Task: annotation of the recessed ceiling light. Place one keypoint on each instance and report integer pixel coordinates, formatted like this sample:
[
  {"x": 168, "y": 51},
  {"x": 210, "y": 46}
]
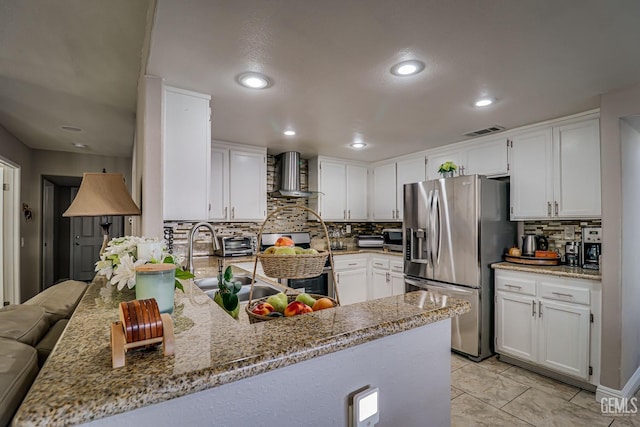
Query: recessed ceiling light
[
  {"x": 289, "y": 132},
  {"x": 71, "y": 128},
  {"x": 484, "y": 102},
  {"x": 78, "y": 145},
  {"x": 254, "y": 80},
  {"x": 357, "y": 145},
  {"x": 407, "y": 68}
]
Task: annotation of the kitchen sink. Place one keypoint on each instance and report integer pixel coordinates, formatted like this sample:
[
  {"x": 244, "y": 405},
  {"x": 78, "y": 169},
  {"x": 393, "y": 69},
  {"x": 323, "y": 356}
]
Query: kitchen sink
[{"x": 260, "y": 289}]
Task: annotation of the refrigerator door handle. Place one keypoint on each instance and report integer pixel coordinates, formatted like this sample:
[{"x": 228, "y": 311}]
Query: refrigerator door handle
[{"x": 435, "y": 228}]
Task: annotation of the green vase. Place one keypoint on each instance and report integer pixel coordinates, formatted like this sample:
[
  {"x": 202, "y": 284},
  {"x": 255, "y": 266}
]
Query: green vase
[
  {"x": 233, "y": 313},
  {"x": 157, "y": 281}
]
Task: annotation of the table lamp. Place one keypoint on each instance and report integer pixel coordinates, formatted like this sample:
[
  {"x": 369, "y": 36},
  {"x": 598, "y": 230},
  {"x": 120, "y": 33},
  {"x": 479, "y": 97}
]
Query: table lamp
[{"x": 103, "y": 195}]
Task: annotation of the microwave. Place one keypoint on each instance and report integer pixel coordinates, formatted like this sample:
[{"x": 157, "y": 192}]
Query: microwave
[
  {"x": 237, "y": 246},
  {"x": 392, "y": 239}
]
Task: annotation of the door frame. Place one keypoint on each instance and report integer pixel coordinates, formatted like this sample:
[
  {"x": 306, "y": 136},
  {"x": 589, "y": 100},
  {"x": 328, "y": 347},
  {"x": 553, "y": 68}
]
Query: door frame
[{"x": 11, "y": 226}]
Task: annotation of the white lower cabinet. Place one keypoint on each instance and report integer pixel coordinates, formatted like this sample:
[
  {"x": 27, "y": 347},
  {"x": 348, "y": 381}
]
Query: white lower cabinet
[
  {"x": 548, "y": 321},
  {"x": 387, "y": 277},
  {"x": 352, "y": 277}
]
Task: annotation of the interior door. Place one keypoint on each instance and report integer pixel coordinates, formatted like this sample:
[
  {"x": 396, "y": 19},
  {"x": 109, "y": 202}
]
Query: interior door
[
  {"x": 2, "y": 291},
  {"x": 87, "y": 240},
  {"x": 48, "y": 211}
]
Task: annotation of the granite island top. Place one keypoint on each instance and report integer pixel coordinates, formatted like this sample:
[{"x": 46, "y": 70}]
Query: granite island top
[
  {"x": 554, "y": 270},
  {"x": 77, "y": 383}
]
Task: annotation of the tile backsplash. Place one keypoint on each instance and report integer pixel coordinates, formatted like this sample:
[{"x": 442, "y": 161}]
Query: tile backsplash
[{"x": 554, "y": 231}]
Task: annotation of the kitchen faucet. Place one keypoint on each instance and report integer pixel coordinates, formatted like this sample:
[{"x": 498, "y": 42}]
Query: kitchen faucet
[{"x": 192, "y": 234}]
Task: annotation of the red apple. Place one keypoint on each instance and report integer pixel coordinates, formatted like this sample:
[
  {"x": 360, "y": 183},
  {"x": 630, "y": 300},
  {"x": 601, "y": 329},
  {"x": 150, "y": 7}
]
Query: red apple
[
  {"x": 296, "y": 307},
  {"x": 284, "y": 241},
  {"x": 263, "y": 309}
]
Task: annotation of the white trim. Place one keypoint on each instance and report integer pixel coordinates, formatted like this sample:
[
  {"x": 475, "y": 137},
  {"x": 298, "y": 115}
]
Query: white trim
[
  {"x": 11, "y": 269},
  {"x": 627, "y": 391}
]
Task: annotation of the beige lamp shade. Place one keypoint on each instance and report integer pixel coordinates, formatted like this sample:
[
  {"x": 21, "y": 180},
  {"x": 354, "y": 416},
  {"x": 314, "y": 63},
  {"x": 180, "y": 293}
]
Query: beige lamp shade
[{"x": 102, "y": 194}]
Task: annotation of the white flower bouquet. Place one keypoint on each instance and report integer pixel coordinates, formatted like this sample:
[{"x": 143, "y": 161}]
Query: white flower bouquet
[{"x": 123, "y": 254}]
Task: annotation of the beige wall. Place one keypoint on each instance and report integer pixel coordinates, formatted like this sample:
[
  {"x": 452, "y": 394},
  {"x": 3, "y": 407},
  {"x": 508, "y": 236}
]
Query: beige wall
[
  {"x": 19, "y": 154},
  {"x": 618, "y": 320}
]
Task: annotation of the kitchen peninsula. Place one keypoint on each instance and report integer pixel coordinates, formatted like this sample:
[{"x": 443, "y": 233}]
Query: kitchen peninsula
[{"x": 289, "y": 371}]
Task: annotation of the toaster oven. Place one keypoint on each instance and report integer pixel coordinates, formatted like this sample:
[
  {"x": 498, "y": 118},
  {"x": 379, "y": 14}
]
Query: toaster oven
[{"x": 237, "y": 246}]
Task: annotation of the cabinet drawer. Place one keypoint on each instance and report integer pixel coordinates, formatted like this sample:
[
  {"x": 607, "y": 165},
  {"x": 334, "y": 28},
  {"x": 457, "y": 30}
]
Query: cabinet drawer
[
  {"x": 341, "y": 263},
  {"x": 380, "y": 263},
  {"x": 516, "y": 285},
  {"x": 397, "y": 266},
  {"x": 565, "y": 293}
]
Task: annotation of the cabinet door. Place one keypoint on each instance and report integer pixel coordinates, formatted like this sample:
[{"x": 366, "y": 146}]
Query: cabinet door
[
  {"x": 357, "y": 192},
  {"x": 384, "y": 192},
  {"x": 531, "y": 175},
  {"x": 380, "y": 284},
  {"x": 247, "y": 186},
  {"x": 185, "y": 153},
  {"x": 333, "y": 186},
  {"x": 219, "y": 184},
  {"x": 516, "y": 325},
  {"x": 352, "y": 286},
  {"x": 488, "y": 158},
  {"x": 434, "y": 162},
  {"x": 564, "y": 337},
  {"x": 408, "y": 172},
  {"x": 397, "y": 283},
  {"x": 576, "y": 149}
]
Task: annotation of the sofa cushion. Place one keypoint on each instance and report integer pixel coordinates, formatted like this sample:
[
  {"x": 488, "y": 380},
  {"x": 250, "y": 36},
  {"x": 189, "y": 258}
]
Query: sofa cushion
[
  {"x": 60, "y": 300},
  {"x": 24, "y": 323},
  {"x": 18, "y": 369},
  {"x": 49, "y": 341}
]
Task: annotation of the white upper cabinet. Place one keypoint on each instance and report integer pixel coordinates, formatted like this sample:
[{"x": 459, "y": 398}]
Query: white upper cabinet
[
  {"x": 483, "y": 157},
  {"x": 185, "y": 155},
  {"x": 342, "y": 188},
  {"x": 556, "y": 172},
  {"x": 388, "y": 186},
  {"x": 238, "y": 183}
]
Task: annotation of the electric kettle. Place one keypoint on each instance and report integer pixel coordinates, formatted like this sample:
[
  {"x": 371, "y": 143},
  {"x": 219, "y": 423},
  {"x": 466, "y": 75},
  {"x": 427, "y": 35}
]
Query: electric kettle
[{"x": 532, "y": 242}]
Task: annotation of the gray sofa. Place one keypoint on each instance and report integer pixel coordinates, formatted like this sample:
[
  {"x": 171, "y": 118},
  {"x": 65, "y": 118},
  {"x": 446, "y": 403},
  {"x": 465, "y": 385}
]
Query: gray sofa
[{"x": 28, "y": 333}]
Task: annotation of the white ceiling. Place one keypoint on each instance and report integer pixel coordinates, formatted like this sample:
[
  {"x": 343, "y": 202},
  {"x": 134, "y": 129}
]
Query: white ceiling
[{"x": 76, "y": 63}]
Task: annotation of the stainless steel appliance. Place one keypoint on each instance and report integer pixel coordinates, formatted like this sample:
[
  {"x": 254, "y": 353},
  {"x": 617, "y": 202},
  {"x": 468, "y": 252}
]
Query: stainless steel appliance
[
  {"x": 454, "y": 229},
  {"x": 237, "y": 246},
  {"x": 322, "y": 285},
  {"x": 392, "y": 239},
  {"x": 370, "y": 241},
  {"x": 532, "y": 242},
  {"x": 572, "y": 254},
  {"x": 591, "y": 247}
]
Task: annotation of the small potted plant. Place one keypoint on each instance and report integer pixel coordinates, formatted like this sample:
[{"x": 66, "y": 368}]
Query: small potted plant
[
  {"x": 447, "y": 169},
  {"x": 226, "y": 295}
]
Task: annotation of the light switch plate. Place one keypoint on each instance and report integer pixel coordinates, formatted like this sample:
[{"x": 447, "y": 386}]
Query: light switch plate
[{"x": 569, "y": 233}]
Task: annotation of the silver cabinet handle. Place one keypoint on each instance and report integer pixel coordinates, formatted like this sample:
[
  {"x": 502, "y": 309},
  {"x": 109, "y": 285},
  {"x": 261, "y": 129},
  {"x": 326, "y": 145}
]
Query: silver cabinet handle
[
  {"x": 225, "y": 212},
  {"x": 351, "y": 264},
  {"x": 387, "y": 277},
  {"x": 379, "y": 264},
  {"x": 344, "y": 214},
  {"x": 233, "y": 212},
  {"x": 349, "y": 214},
  {"x": 539, "y": 308},
  {"x": 533, "y": 308},
  {"x": 513, "y": 286},
  {"x": 548, "y": 208},
  {"x": 560, "y": 294},
  {"x": 397, "y": 214},
  {"x": 338, "y": 277},
  {"x": 556, "y": 207},
  {"x": 393, "y": 213}
]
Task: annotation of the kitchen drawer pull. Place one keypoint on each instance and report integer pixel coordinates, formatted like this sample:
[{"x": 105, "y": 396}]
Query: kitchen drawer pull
[
  {"x": 513, "y": 286},
  {"x": 533, "y": 308},
  {"x": 539, "y": 308},
  {"x": 379, "y": 264},
  {"x": 352, "y": 264},
  {"x": 233, "y": 212},
  {"x": 560, "y": 294},
  {"x": 548, "y": 208},
  {"x": 349, "y": 214},
  {"x": 556, "y": 207},
  {"x": 225, "y": 212}
]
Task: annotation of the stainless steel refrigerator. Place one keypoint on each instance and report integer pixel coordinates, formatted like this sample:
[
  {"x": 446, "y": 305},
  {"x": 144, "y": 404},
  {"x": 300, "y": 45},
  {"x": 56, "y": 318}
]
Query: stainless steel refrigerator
[{"x": 453, "y": 230}]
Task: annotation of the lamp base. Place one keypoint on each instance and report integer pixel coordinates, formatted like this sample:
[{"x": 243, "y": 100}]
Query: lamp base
[{"x": 105, "y": 224}]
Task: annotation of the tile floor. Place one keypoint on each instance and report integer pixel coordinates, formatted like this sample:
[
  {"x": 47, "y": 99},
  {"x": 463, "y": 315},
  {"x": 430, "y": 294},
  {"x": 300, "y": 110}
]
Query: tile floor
[{"x": 494, "y": 393}]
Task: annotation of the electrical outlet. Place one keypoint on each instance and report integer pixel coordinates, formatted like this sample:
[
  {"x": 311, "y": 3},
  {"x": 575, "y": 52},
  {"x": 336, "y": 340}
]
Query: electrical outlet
[
  {"x": 569, "y": 233},
  {"x": 347, "y": 228}
]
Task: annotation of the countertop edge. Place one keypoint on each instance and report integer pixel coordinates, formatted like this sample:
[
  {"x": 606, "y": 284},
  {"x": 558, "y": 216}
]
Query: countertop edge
[{"x": 560, "y": 270}]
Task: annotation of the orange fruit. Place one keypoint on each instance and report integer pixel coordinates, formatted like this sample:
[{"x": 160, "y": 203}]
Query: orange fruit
[{"x": 322, "y": 303}]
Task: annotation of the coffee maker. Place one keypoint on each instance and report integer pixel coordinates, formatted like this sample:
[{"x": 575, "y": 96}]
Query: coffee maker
[
  {"x": 572, "y": 254},
  {"x": 591, "y": 247}
]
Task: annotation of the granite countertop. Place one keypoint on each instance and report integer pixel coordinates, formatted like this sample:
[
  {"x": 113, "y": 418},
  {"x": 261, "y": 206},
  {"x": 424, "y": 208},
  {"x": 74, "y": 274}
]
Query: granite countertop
[
  {"x": 555, "y": 270},
  {"x": 77, "y": 383}
]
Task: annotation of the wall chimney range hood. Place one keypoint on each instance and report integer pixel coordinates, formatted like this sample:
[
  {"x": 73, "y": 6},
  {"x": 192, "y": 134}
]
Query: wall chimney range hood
[{"x": 287, "y": 176}]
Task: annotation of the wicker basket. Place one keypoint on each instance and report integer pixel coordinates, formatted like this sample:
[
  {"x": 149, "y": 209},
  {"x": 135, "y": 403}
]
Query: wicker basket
[
  {"x": 298, "y": 266},
  {"x": 255, "y": 318}
]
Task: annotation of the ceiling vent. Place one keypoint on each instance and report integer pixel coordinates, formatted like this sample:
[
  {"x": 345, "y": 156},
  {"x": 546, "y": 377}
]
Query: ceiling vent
[{"x": 487, "y": 131}]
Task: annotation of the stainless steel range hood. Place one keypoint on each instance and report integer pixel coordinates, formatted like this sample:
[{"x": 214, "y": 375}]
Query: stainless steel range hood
[{"x": 287, "y": 176}]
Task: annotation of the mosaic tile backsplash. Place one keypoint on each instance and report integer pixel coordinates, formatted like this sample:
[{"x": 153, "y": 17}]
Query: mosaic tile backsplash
[{"x": 554, "y": 231}]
